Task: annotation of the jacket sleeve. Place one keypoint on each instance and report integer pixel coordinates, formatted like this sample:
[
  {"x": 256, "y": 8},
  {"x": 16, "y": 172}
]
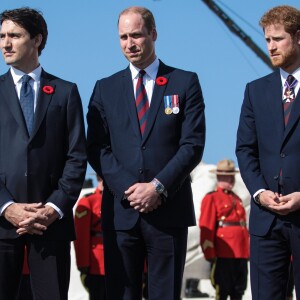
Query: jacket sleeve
[
  {"x": 247, "y": 147},
  {"x": 70, "y": 183},
  {"x": 100, "y": 155},
  {"x": 192, "y": 139},
  {"x": 82, "y": 220},
  {"x": 208, "y": 226}
]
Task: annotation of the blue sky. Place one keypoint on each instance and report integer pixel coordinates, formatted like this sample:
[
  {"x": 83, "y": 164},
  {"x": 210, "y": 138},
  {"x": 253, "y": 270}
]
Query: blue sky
[{"x": 83, "y": 46}]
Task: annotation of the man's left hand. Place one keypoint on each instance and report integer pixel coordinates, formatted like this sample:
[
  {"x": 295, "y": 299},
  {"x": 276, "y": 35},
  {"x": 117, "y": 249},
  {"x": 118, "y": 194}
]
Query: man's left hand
[{"x": 287, "y": 204}]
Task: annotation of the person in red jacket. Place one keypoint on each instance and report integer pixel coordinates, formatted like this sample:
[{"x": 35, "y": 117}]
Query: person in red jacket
[
  {"x": 89, "y": 243},
  {"x": 224, "y": 237}
]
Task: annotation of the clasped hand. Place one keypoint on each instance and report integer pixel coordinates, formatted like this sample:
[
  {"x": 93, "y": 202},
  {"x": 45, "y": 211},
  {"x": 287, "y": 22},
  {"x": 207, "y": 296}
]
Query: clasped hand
[
  {"x": 143, "y": 197},
  {"x": 31, "y": 218},
  {"x": 279, "y": 204}
]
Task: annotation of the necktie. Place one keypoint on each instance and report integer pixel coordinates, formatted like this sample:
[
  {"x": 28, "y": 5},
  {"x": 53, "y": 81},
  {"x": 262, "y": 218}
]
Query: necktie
[
  {"x": 141, "y": 101},
  {"x": 27, "y": 102},
  {"x": 289, "y": 97}
]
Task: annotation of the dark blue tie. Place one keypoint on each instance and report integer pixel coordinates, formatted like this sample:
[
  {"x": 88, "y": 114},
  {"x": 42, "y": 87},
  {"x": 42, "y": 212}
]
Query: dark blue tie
[{"x": 27, "y": 102}]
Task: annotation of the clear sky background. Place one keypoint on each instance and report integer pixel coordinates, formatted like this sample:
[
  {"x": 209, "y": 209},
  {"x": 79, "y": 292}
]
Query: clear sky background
[{"x": 83, "y": 46}]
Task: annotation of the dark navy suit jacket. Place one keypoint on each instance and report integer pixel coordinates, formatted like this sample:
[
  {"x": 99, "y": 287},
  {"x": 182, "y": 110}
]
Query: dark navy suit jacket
[
  {"x": 172, "y": 145},
  {"x": 265, "y": 146},
  {"x": 49, "y": 165}
]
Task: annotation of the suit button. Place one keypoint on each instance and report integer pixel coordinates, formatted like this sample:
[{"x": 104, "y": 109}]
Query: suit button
[
  {"x": 25, "y": 174},
  {"x": 143, "y": 148},
  {"x": 282, "y": 155},
  {"x": 140, "y": 170}
]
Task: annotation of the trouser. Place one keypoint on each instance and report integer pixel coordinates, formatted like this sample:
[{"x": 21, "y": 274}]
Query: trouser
[
  {"x": 229, "y": 277},
  {"x": 49, "y": 264},
  {"x": 124, "y": 255}
]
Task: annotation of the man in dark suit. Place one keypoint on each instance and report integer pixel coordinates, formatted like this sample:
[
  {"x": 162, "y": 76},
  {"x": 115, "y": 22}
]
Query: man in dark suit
[
  {"x": 42, "y": 161},
  {"x": 268, "y": 143},
  {"x": 147, "y": 200}
]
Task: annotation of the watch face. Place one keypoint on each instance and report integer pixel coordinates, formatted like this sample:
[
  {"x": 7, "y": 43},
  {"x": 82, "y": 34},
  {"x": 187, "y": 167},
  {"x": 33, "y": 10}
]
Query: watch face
[{"x": 159, "y": 188}]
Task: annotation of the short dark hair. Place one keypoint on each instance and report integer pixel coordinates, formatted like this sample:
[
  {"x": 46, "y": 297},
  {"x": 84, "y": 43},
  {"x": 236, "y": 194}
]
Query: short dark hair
[
  {"x": 145, "y": 13},
  {"x": 29, "y": 19},
  {"x": 286, "y": 15}
]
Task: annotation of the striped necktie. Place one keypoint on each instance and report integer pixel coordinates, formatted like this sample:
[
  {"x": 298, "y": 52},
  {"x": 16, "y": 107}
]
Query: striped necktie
[
  {"x": 289, "y": 97},
  {"x": 141, "y": 101},
  {"x": 27, "y": 102}
]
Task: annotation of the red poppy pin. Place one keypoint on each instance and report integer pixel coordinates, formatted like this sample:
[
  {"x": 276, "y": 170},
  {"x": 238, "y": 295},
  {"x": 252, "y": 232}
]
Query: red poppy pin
[
  {"x": 48, "y": 89},
  {"x": 161, "y": 80}
]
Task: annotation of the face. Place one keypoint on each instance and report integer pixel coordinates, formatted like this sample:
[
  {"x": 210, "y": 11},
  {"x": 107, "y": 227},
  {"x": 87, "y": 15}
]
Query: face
[
  {"x": 226, "y": 181},
  {"x": 284, "y": 50},
  {"x": 136, "y": 42},
  {"x": 18, "y": 49}
]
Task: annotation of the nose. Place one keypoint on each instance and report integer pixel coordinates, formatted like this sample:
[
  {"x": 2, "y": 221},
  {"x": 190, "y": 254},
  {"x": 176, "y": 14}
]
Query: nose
[
  {"x": 130, "y": 42},
  {"x": 272, "y": 45},
  {"x": 5, "y": 42}
]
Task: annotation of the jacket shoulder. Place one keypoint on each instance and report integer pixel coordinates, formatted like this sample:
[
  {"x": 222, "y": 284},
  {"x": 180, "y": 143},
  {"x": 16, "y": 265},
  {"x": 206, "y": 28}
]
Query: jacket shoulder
[
  {"x": 265, "y": 78},
  {"x": 56, "y": 79}
]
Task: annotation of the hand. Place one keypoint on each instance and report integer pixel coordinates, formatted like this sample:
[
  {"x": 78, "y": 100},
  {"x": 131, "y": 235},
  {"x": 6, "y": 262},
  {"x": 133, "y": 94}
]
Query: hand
[
  {"x": 143, "y": 197},
  {"x": 269, "y": 198},
  {"x": 287, "y": 204},
  {"x": 17, "y": 213},
  {"x": 37, "y": 226}
]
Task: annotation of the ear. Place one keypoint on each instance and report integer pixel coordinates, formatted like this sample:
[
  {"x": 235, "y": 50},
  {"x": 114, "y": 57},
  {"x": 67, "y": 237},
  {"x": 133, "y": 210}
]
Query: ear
[
  {"x": 297, "y": 35},
  {"x": 154, "y": 34},
  {"x": 38, "y": 40}
]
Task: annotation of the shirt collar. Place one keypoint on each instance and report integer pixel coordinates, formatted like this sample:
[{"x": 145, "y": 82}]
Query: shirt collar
[
  {"x": 284, "y": 75},
  {"x": 151, "y": 70},
  {"x": 17, "y": 74}
]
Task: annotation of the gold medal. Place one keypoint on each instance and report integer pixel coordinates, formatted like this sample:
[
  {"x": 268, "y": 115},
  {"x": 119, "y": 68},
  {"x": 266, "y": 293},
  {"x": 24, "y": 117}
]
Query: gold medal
[{"x": 168, "y": 110}]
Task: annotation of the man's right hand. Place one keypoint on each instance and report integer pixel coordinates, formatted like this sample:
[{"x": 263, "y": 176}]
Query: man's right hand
[
  {"x": 268, "y": 198},
  {"x": 19, "y": 212}
]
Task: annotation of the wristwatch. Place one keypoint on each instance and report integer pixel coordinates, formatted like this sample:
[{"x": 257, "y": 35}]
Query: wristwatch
[
  {"x": 159, "y": 188},
  {"x": 257, "y": 198}
]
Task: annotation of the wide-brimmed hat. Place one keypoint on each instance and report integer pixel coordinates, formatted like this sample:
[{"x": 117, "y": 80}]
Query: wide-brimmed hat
[{"x": 225, "y": 167}]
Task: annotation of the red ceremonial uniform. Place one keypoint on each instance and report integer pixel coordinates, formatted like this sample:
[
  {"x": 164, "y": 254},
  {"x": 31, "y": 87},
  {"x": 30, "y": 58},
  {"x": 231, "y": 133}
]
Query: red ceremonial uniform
[
  {"x": 223, "y": 231},
  {"x": 89, "y": 242}
]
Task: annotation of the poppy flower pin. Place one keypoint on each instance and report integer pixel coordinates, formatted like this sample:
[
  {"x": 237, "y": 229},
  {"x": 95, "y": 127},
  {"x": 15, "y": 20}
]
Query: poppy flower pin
[
  {"x": 48, "y": 89},
  {"x": 161, "y": 80}
]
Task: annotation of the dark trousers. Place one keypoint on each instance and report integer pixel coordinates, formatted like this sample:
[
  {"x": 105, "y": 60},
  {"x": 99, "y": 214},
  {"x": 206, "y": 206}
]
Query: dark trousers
[
  {"x": 49, "y": 263},
  {"x": 125, "y": 253},
  {"x": 229, "y": 277},
  {"x": 25, "y": 292},
  {"x": 95, "y": 284},
  {"x": 270, "y": 261}
]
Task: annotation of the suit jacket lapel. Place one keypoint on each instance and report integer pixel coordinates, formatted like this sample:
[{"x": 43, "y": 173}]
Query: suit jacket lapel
[
  {"x": 42, "y": 102},
  {"x": 9, "y": 94},
  {"x": 128, "y": 95},
  {"x": 157, "y": 98}
]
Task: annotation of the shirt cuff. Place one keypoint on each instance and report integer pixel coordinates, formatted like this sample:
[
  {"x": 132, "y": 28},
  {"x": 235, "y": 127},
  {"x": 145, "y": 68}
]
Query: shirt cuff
[
  {"x": 4, "y": 206},
  {"x": 61, "y": 214},
  {"x": 259, "y": 191}
]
